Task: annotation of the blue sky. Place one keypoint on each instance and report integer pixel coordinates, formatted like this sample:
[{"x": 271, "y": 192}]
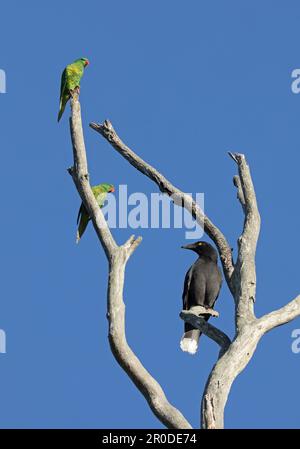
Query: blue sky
[{"x": 183, "y": 83}]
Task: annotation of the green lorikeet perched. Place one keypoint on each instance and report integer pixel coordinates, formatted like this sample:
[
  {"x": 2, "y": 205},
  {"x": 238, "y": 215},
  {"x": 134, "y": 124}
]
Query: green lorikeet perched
[
  {"x": 70, "y": 81},
  {"x": 100, "y": 191}
]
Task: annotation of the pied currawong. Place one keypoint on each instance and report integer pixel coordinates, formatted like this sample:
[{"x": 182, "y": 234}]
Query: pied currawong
[{"x": 202, "y": 285}]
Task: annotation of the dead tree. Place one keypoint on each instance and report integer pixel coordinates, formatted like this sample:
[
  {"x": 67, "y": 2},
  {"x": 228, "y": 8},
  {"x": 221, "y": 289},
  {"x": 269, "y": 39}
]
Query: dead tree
[{"x": 240, "y": 276}]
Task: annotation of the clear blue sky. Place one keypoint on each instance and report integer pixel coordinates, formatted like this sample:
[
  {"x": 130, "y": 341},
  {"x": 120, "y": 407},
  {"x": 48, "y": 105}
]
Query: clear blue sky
[{"x": 183, "y": 83}]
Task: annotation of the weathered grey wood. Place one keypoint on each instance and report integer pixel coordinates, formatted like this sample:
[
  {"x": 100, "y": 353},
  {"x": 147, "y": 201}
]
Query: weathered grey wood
[
  {"x": 117, "y": 257},
  {"x": 241, "y": 280},
  {"x": 239, "y": 194},
  {"x": 79, "y": 173},
  {"x": 200, "y": 310},
  {"x": 281, "y": 316}
]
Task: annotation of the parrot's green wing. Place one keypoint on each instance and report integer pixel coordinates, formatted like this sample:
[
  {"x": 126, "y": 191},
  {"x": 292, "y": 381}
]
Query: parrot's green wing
[
  {"x": 64, "y": 95},
  {"x": 100, "y": 192},
  {"x": 83, "y": 216},
  {"x": 74, "y": 74}
]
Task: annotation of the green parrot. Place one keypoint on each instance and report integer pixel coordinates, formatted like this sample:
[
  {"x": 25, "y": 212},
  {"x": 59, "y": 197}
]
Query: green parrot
[
  {"x": 70, "y": 81},
  {"x": 100, "y": 191}
]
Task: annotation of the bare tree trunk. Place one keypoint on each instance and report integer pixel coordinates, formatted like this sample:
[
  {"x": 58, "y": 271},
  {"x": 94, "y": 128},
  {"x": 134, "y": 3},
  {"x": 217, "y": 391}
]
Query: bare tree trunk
[
  {"x": 249, "y": 329},
  {"x": 240, "y": 277}
]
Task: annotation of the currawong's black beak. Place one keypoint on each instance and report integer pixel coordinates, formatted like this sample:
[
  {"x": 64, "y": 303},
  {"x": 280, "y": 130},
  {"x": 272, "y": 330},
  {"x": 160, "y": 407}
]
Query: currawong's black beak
[{"x": 191, "y": 246}]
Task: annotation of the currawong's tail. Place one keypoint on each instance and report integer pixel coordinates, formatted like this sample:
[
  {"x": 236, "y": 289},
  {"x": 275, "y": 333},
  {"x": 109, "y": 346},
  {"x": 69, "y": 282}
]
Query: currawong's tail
[{"x": 189, "y": 340}]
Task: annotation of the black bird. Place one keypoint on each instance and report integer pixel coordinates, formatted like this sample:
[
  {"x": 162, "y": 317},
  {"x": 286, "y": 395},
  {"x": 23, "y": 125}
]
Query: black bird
[{"x": 202, "y": 285}]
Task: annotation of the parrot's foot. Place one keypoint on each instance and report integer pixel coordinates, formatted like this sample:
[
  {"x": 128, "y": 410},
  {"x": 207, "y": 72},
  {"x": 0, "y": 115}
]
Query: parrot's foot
[{"x": 75, "y": 91}]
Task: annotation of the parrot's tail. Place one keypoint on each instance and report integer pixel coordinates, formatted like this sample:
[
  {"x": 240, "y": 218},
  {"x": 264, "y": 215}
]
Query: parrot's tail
[
  {"x": 189, "y": 341},
  {"x": 62, "y": 106},
  {"x": 60, "y": 113}
]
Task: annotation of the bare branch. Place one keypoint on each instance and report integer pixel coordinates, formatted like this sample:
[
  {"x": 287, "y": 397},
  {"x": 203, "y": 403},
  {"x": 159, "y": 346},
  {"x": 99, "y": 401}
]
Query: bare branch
[
  {"x": 203, "y": 310},
  {"x": 244, "y": 278},
  {"x": 236, "y": 358},
  {"x": 180, "y": 198},
  {"x": 208, "y": 329},
  {"x": 131, "y": 244},
  {"x": 147, "y": 385},
  {"x": 117, "y": 257},
  {"x": 240, "y": 194},
  {"x": 248, "y": 331},
  {"x": 252, "y": 219},
  {"x": 281, "y": 316},
  {"x": 79, "y": 173},
  {"x": 225, "y": 371}
]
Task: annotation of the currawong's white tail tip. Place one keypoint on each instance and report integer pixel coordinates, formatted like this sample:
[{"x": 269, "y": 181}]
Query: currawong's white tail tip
[{"x": 189, "y": 345}]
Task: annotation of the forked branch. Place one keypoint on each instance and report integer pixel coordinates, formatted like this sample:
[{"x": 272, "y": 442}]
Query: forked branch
[{"x": 180, "y": 198}]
